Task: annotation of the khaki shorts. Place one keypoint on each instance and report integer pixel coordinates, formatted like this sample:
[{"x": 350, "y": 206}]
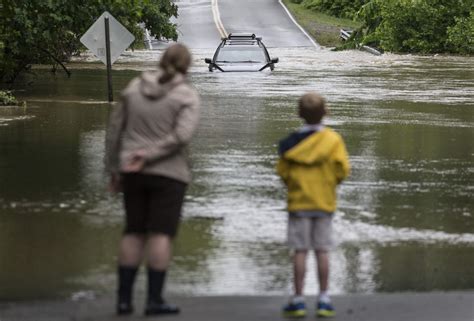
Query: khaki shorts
[{"x": 306, "y": 233}]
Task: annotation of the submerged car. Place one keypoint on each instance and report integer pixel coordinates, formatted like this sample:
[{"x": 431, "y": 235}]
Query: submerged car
[{"x": 241, "y": 52}]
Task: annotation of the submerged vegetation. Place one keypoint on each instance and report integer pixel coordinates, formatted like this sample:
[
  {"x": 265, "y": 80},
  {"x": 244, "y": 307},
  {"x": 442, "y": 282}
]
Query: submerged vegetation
[
  {"x": 48, "y": 32},
  {"x": 7, "y": 98},
  {"x": 406, "y": 26}
]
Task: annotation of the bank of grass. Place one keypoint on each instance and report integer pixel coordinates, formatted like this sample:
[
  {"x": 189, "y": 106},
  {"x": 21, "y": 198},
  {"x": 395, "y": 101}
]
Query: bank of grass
[{"x": 322, "y": 27}]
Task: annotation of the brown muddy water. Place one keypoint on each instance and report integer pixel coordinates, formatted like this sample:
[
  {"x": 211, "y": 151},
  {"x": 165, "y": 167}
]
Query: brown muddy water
[{"x": 405, "y": 220}]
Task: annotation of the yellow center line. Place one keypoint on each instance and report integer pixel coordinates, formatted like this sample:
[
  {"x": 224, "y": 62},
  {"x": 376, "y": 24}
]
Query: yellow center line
[{"x": 217, "y": 19}]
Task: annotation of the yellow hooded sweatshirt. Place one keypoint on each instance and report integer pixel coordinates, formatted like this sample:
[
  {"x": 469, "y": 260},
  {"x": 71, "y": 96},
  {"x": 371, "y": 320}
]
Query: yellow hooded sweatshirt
[{"x": 312, "y": 165}]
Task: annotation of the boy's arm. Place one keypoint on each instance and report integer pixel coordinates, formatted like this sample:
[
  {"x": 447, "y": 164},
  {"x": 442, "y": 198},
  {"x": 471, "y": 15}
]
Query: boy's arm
[
  {"x": 282, "y": 169},
  {"x": 341, "y": 162}
]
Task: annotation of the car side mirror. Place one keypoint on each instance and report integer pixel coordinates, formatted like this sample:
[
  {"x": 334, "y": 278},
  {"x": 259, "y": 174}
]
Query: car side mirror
[
  {"x": 208, "y": 60},
  {"x": 275, "y": 60}
]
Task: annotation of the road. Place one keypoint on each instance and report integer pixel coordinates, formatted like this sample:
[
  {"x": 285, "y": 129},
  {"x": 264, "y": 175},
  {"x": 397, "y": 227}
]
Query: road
[
  {"x": 201, "y": 23},
  {"x": 437, "y": 306}
]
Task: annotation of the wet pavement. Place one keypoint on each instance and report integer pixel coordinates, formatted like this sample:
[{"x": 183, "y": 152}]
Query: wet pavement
[
  {"x": 452, "y": 306},
  {"x": 202, "y": 23}
]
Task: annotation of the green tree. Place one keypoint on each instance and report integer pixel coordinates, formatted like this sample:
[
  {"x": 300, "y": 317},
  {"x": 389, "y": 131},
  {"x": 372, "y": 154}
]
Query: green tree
[
  {"x": 48, "y": 31},
  {"x": 416, "y": 26},
  {"x": 423, "y": 26},
  {"x": 461, "y": 35}
]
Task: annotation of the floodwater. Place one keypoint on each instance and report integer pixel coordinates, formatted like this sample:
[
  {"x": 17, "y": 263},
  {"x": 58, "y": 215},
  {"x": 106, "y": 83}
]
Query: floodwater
[{"x": 405, "y": 220}]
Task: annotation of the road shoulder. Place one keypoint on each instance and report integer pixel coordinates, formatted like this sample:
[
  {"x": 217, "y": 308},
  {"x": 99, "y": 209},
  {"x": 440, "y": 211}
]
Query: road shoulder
[{"x": 323, "y": 28}]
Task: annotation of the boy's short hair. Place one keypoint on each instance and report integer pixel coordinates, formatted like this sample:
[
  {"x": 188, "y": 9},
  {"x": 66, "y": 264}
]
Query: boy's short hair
[{"x": 312, "y": 108}]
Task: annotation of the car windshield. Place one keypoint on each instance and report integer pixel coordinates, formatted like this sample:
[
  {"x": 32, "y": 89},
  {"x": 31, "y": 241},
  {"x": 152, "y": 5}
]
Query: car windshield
[{"x": 241, "y": 54}]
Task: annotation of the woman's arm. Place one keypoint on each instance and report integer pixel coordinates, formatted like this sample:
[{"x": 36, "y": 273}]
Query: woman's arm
[{"x": 185, "y": 126}]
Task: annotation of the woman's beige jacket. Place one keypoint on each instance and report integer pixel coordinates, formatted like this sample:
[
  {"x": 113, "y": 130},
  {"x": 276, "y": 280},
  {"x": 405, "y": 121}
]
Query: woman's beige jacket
[{"x": 159, "y": 119}]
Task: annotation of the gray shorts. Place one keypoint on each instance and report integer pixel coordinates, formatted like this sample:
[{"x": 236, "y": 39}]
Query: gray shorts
[{"x": 306, "y": 233}]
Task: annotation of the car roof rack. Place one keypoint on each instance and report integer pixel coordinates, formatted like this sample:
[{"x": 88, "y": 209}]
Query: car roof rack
[
  {"x": 241, "y": 39},
  {"x": 241, "y": 36},
  {"x": 241, "y": 42}
]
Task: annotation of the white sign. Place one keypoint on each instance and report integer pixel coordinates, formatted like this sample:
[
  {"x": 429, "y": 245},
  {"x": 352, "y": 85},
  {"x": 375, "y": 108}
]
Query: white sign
[{"x": 94, "y": 38}]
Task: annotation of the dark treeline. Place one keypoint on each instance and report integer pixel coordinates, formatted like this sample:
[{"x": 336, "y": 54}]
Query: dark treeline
[
  {"x": 411, "y": 26},
  {"x": 48, "y": 31}
]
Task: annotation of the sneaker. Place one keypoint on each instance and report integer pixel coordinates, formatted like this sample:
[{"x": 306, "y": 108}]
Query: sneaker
[
  {"x": 294, "y": 310},
  {"x": 325, "y": 310},
  {"x": 161, "y": 308},
  {"x": 124, "y": 308}
]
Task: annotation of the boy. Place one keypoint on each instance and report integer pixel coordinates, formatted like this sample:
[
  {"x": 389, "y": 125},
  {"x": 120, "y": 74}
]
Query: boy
[{"x": 313, "y": 161}]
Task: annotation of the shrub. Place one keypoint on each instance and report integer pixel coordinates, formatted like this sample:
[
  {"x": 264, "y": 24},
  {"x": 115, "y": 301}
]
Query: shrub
[
  {"x": 7, "y": 99},
  {"x": 461, "y": 35},
  {"x": 48, "y": 32},
  {"x": 423, "y": 26}
]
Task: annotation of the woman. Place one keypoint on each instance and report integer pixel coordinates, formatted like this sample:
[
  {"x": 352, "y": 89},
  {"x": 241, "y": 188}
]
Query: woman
[{"x": 146, "y": 158}]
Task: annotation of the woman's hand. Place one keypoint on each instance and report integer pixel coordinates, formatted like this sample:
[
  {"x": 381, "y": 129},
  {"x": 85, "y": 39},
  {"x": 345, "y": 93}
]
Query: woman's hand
[{"x": 135, "y": 163}]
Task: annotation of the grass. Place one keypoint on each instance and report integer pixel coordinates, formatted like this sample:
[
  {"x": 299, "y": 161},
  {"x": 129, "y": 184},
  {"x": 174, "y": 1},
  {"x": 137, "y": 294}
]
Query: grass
[{"x": 322, "y": 27}]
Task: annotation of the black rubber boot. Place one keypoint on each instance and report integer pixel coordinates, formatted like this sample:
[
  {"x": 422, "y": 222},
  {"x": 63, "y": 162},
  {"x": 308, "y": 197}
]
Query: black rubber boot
[
  {"x": 126, "y": 279},
  {"x": 160, "y": 308},
  {"x": 155, "y": 303}
]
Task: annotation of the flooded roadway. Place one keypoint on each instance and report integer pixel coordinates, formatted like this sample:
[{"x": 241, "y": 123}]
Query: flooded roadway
[{"x": 405, "y": 220}]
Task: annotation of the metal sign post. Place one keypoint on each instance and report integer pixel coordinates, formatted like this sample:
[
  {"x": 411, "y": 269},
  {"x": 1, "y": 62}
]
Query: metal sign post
[
  {"x": 107, "y": 39},
  {"x": 109, "y": 63}
]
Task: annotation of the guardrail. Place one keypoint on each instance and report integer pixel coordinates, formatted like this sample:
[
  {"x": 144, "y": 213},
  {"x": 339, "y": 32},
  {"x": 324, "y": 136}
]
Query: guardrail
[{"x": 345, "y": 34}]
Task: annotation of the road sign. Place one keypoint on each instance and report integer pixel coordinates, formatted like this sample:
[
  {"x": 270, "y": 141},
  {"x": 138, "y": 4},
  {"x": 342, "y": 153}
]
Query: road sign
[
  {"x": 94, "y": 38},
  {"x": 107, "y": 39}
]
